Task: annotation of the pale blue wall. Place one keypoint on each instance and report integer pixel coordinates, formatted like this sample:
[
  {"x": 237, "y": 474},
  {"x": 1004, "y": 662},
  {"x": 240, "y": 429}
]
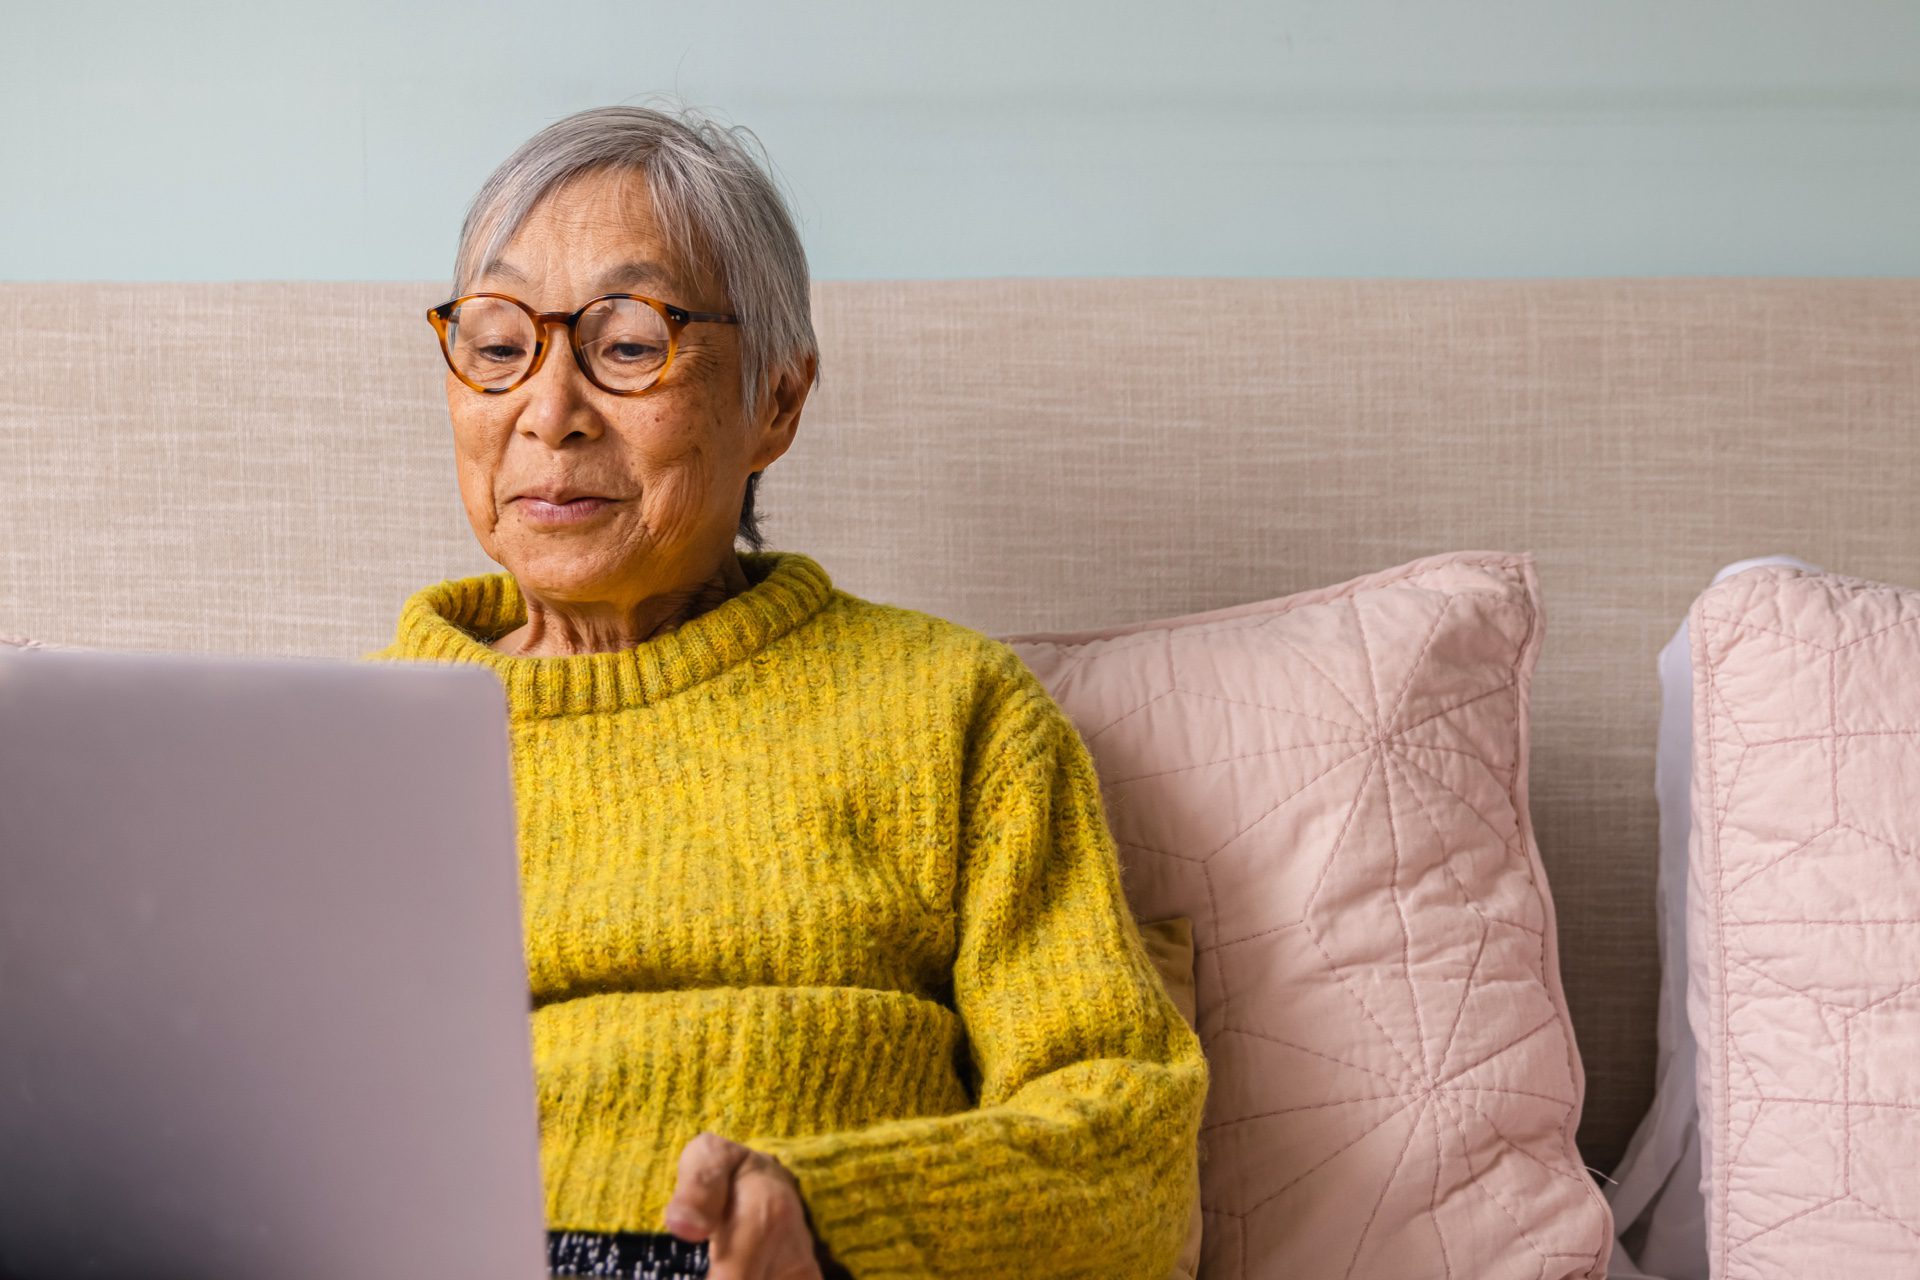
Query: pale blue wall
[{"x": 213, "y": 141}]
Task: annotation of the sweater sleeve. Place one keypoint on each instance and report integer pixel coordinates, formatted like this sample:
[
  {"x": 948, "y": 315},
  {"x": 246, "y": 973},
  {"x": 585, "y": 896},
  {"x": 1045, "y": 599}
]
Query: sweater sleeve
[{"x": 1077, "y": 1159}]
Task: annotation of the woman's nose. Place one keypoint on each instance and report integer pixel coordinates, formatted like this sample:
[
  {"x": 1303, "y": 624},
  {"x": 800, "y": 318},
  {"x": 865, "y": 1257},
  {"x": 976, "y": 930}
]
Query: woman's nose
[{"x": 558, "y": 400}]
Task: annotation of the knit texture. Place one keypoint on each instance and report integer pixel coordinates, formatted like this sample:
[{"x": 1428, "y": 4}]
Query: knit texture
[{"x": 834, "y": 879}]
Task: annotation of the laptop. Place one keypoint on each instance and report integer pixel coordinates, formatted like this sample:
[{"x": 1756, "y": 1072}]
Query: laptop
[{"x": 263, "y": 999}]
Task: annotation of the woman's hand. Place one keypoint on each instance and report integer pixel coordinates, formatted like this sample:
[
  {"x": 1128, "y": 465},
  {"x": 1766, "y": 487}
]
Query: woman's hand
[{"x": 747, "y": 1207}]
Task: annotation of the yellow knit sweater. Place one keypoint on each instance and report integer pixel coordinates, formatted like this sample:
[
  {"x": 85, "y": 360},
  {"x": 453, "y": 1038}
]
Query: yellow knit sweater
[{"x": 834, "y": 879}]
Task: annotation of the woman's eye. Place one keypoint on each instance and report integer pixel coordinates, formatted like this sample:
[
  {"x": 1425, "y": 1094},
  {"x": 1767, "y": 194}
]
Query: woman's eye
[
  {"x": 634, "y": 351},
  {"x": 501, "y": 352}
]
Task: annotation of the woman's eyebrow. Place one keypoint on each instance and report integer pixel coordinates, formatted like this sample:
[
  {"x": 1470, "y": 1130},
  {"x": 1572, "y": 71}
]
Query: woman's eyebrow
[{"x": 500, "y": 267}]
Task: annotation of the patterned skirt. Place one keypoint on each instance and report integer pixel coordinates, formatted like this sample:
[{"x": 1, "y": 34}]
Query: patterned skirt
[
  {"x": 638, "y": 1255},
  {"x": 627, "y": 1255}
]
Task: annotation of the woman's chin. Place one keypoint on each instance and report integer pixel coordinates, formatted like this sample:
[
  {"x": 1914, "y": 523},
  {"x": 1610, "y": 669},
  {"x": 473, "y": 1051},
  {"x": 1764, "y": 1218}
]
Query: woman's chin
[{"x": 571, "y": 569}]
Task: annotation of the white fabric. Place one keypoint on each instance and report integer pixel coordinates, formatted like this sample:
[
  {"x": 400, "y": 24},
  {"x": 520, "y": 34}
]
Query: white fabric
[{"x": 1656, "y": 1192}]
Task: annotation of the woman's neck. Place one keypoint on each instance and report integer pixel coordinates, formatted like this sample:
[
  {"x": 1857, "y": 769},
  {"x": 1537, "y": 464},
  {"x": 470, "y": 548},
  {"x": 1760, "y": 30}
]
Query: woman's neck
[{"x": 554, "y": 633}]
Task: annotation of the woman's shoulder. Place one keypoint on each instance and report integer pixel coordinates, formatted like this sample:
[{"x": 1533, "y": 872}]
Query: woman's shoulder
[
  {"x": 988, "y": 670},
  {"x": 955, "y": 641}
]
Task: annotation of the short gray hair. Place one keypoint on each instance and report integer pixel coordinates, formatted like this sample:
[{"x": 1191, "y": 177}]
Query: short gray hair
[{"x": 715, "y": 199}]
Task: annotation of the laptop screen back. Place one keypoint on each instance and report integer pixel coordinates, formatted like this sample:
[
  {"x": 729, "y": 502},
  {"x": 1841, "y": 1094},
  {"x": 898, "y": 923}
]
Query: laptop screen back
[{"x": 263, "y": 999}]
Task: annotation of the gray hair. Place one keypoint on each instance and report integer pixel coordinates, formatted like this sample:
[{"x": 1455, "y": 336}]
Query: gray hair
[{"x": 716, "y": 201}]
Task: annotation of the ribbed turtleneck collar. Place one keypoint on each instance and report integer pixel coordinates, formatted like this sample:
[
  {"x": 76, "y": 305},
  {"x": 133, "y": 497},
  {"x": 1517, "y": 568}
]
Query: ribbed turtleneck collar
[{"x": 439, "y": 622}]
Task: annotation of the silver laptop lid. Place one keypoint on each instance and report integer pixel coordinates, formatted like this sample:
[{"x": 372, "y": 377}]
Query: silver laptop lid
[{"x": 263, "y": 1000}]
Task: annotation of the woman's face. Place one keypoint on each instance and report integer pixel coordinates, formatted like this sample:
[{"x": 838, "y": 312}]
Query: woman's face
[{"x": 674, "y": 460}]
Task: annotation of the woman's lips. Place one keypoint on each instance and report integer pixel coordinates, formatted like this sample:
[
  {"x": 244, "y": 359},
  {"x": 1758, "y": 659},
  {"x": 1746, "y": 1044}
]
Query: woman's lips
[{"x": 540, "y": 511}]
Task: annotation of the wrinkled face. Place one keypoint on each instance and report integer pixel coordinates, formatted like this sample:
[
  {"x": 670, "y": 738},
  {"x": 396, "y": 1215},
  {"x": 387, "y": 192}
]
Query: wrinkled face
[{"x": 673, "y": 461}]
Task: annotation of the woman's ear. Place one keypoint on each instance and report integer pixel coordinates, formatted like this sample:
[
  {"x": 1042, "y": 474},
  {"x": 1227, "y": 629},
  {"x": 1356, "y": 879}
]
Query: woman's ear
[{"x": 780, "y": 410}]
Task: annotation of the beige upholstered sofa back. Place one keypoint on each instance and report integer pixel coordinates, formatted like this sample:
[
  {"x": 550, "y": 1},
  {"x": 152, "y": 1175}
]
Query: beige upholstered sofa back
[{"x": 264, "y": 468}]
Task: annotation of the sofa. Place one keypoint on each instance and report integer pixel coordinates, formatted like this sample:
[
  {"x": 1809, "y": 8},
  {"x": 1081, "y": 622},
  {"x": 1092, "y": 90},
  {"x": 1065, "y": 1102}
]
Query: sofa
[{"x": 265, "y": 468}]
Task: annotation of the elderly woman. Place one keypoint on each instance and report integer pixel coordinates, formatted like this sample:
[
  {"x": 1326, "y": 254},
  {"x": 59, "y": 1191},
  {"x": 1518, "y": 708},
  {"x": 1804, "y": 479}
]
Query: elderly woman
[{"x": 830, "y": 964}]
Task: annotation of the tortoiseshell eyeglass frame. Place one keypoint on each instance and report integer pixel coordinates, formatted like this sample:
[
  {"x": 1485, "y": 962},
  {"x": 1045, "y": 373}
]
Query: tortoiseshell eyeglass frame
[{"x": 676, "y": 318}]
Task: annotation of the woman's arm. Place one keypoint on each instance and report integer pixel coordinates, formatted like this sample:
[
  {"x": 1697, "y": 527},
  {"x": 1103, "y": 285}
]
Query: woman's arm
[{"x": 1077, "y": 1159}]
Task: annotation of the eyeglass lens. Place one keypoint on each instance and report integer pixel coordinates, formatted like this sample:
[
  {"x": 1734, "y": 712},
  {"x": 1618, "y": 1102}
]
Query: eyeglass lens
[{"x": 491, "y": 342}]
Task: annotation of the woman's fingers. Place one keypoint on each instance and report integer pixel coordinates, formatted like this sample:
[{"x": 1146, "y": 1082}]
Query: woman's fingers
[
  {"x": 747, "y": 1207},
  {"x": 765, "y": 1235},
  {"x": 700, "y": 1195}
]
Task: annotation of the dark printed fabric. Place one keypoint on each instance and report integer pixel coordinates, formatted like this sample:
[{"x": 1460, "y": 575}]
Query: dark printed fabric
[
  {"x": 635, "y": 1255},
  {"x": 625, "y": 1255}
]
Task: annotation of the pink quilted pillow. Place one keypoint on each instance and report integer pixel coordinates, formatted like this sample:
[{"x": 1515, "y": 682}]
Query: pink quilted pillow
[
  {"x": 1804, "y": 923},
  {"x": 1333, "y": 787}
]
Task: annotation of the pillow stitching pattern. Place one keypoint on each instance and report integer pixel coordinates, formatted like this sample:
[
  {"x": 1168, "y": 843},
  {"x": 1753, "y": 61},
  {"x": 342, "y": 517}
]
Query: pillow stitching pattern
[
  {"x": 1505, "y": 777},
  {"x": 1726, "y": 1158}
]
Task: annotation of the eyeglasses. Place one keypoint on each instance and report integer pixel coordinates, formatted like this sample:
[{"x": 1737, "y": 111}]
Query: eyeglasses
[{"x": 623, "y": 342}]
